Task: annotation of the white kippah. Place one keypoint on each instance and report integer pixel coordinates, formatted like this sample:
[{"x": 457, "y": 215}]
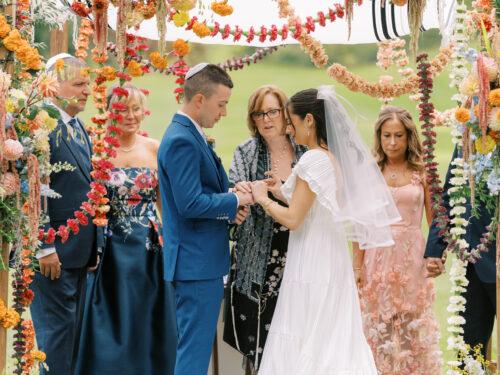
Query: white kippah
[
  {"x": 53, "y": 59},
  {"x": 195, "y": 70}
]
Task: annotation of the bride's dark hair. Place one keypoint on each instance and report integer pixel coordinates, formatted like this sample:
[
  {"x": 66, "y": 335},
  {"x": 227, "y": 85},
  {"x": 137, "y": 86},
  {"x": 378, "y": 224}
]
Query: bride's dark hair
[{"x": 306, "y": 101}]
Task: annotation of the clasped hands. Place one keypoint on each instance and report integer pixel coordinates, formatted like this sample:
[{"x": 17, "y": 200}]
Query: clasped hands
[{"x": 250, "y": 193}]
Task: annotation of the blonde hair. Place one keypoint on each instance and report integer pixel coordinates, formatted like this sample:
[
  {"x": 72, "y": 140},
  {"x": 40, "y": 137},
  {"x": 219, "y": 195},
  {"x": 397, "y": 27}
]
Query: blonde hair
[
  {"x": 134, "y": 93},
  {"x": 414, "y": 150},
  {"x": 255, "y": 103}
]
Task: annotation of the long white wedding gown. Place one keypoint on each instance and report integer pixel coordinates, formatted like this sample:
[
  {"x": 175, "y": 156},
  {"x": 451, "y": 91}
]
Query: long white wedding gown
[{"x": 316, "y": 328}]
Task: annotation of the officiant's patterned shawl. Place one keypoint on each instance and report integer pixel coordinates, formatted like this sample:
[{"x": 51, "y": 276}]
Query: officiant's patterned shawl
[{"x": 253, "y": 238}]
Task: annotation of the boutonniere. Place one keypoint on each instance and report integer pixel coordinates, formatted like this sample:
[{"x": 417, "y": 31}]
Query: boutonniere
[{"x": 211, "y": 141}]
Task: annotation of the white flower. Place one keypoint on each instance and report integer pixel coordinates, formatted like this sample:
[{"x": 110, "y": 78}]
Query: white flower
[
  {"x": 456, "y": 181},
  {"x": 456, "y": 320},
  {"x": 457, "y": 231},
  {"x": 456, "y": 211},
  {"x": 118, "y": 178},
  {"x": 17, "y": 94}
]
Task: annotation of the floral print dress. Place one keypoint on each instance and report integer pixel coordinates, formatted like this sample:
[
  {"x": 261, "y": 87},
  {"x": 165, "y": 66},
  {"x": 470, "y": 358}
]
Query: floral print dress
[
  {"x": 129, "y": 319},
  {"x": 397, "y": 298}
]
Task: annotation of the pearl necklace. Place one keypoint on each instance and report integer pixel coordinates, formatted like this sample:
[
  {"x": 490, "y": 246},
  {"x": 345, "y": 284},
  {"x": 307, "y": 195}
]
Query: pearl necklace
[{"x": 123, "y": 149}]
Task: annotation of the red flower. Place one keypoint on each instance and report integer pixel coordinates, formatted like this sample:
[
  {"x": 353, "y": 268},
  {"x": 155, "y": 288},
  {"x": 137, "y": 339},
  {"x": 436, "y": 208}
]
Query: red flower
[
  {"x": 142, "y": 181},
  {"x": 216, "y": 29},
  {"x": 191, "y": 23},
  {"x": 142, "y": 47},
  {"x": 310, "y": 26},
  {"x": 119, "y": 106},
  {"x": 134, "y": 200},
  {"x": 94, "y": 196},
  {"x": 339, "y": 10},
  {"x": 284, "y": 32},
  {"x": 98, "y": 120},
  {"x": 87, "y": 207},
  {"x": 321, "y": 18},
  {"x": 100, "y": 175},
  {"x": 80, "y": 9},
  {"x": 103, "y": 164},
  {"x": 145, "y": 68},
  {"x": 41, "y": 234},
  {"x": 63, "y": 233},
  {"x": 115, "y": 129},
  {"x": 130, "y": 38},
  {"x": 99, "y": 188},
  {"x": 263, "y": 34},
  {"x": 115, "y": 117},
  {"x": 238, "y": 32},
  {"x": 81, "y": 217},
  {"x": 331, "y": 15},
  {"x": 298, "y": 29},
  {"x": 73, "y": 225},
  {"x": 226, "y": 32},
  {"x": 27, "y": 297},
  {"x": 112, "y": 141},
  {"x": 130, "y": 52},
  {"x": 120, "y": 91},
  {"x": 123, "y": 76},
  {"x": 251, "y": 34},
  {"x": 51, "y": 236},
  {"x": 144, "y": 91},
  {"x": 110, "y": 152},
  {"x": 274, "y": 33}
]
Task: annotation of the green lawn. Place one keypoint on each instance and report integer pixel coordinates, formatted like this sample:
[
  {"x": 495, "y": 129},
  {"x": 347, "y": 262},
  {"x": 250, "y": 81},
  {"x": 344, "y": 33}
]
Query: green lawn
[{"x": 232, "y": 129}]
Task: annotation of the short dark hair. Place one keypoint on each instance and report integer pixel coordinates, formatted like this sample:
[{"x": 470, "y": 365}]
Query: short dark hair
[
  {"x": 205, "y": 81},
  {"x": 306, "y": 101}
]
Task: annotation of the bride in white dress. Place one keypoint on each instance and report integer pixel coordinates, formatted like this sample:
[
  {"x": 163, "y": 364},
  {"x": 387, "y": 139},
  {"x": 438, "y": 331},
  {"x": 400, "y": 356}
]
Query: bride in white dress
[{"x": 335, "y": 194}]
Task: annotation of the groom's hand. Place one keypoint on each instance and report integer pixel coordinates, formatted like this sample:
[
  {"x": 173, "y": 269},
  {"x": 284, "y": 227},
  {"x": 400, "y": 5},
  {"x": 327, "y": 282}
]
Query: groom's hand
[
  {"x": 241, "y": 215},
  {"x": 244, "y": 198}
]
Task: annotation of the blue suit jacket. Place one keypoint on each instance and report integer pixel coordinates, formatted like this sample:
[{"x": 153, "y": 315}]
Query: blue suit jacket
[
  {"x": 80, "y": 249},
  {"x": 485, "y": 267},
  {"x": 196, "y": 205}
]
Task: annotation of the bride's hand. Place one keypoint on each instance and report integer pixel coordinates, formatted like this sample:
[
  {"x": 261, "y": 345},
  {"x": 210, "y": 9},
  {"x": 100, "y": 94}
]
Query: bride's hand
[
  {"x": 274, "y": 185},
  {"x": 259, "y": 191}
]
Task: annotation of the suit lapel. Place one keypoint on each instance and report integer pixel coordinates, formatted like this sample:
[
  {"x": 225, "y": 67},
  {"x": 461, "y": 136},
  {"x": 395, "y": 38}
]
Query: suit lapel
[
  {"x": 73, "y": 149},
  {"x": 183, "y": 120}
]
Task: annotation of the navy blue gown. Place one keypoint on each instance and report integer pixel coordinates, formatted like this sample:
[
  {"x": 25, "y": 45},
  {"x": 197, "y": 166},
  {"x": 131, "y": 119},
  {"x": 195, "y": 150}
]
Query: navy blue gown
[{"x": 129, "y": 323}]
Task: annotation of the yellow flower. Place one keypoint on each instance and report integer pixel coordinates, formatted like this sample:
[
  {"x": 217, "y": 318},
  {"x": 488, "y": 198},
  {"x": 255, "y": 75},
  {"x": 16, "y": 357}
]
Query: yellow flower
[
  {"x": 485, "y": 147},
  {"x": 38, "y": 355},
  {"x": 4, "y": 27},
  {"x": 59, "y": 66},
  {"x": 10, "y": 106},
  {"x": 158, "y": 61},
  {"x": 494, "y": 98},
  {"x": 462, "y": 115},
  {"x": 180, "y": 18},
  {"x": 201, "y": 29},
  {"x": 10, "y": 319},
  {"x": 183, "y": 5},
  {"x": 13, "y": 41},
  {"x": 134, "y": 69},
  {"x": 180, "y": 47},
  {"x": 50, "y": 124}
]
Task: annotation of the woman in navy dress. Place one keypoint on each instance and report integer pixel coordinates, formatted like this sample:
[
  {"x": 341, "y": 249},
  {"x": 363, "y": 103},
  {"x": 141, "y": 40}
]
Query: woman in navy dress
[{"x": 129, "y": 320}]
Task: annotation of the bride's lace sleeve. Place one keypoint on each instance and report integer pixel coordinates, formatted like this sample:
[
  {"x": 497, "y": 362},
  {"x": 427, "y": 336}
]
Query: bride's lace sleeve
[{"x": 316, "y": 169}]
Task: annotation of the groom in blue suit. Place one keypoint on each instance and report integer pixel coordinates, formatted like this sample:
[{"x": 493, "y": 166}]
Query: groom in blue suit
[{"x": 198, "y": 208}]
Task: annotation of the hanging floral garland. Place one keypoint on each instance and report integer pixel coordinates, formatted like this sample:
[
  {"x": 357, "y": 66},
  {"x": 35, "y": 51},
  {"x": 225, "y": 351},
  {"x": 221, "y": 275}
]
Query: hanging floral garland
[{"x": 386, "y": 89}]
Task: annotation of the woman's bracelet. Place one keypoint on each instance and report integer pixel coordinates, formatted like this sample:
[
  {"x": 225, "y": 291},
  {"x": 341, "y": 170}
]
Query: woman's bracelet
[{"x": 266, "y": 205}]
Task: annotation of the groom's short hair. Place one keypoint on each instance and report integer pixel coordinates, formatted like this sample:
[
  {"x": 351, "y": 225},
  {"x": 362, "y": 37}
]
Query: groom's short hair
[{"x": 205, "y": 81}]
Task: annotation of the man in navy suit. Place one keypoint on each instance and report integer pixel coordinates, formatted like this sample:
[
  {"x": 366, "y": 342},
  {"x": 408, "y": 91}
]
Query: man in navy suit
[
  {"x": 59, "y": 287},
  {"x": 198, "y": 208},
  {"x": 480, "y": 307}
]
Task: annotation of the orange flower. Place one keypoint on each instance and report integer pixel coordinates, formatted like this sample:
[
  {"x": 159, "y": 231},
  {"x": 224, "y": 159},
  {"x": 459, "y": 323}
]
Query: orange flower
[
  {"x": 222, "y": 8},
  {"x": 180, "y": 47},
  {"x": 48, "y": 86},
  {"x": 158, "y": 61},
  {"x": 59, "y": 65},
  {"x": 4, "y": 27},
  {"x": 134, "y": 69},
  {"x": 462, "y": 115},
  {"x": 38, "y": 356},
  {"x": 13, "y": 41},
  {"x": 201, "y": 29},
  {"x": 494, "y": 98},
  {"x": 100, "y": 222},
  {"x": 108, "y": 72}
]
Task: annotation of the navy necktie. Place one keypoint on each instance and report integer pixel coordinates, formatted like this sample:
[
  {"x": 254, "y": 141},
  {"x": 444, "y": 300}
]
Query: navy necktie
[{"x": 79, "y": 137}]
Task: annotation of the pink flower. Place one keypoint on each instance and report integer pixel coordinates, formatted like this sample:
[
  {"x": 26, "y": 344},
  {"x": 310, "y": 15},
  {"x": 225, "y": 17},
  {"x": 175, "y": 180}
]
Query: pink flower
[
  {"x": 13, "y": 149},
  {"x": 9, "y": 183}
]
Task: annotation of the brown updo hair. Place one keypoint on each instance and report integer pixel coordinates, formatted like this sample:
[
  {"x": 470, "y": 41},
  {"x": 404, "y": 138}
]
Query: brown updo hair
[{"x": 414, "y": 151}]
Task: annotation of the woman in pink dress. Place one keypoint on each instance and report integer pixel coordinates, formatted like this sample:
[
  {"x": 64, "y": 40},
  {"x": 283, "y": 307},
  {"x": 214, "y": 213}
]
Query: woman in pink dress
[{"x": 396, "y": 296}]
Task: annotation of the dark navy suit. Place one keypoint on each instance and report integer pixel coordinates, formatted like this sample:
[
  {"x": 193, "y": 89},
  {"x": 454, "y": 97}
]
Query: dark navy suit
[
  {"x": 196, "y": 211},
  {"x": 58, "y": 304},
  {"x": 481, "y": 301}
]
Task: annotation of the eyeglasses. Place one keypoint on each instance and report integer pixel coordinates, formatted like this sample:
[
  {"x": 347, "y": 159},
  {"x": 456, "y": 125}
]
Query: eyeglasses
[{"x": 271, "y": 114}]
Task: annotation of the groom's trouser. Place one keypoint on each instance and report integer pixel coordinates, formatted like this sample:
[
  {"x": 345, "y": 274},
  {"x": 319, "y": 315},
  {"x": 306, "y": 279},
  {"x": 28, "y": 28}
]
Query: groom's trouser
[{"x": 198, "y": 305}]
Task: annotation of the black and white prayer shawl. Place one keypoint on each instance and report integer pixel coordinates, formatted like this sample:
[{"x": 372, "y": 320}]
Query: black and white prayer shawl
[{"x": 371, "y": 22}]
